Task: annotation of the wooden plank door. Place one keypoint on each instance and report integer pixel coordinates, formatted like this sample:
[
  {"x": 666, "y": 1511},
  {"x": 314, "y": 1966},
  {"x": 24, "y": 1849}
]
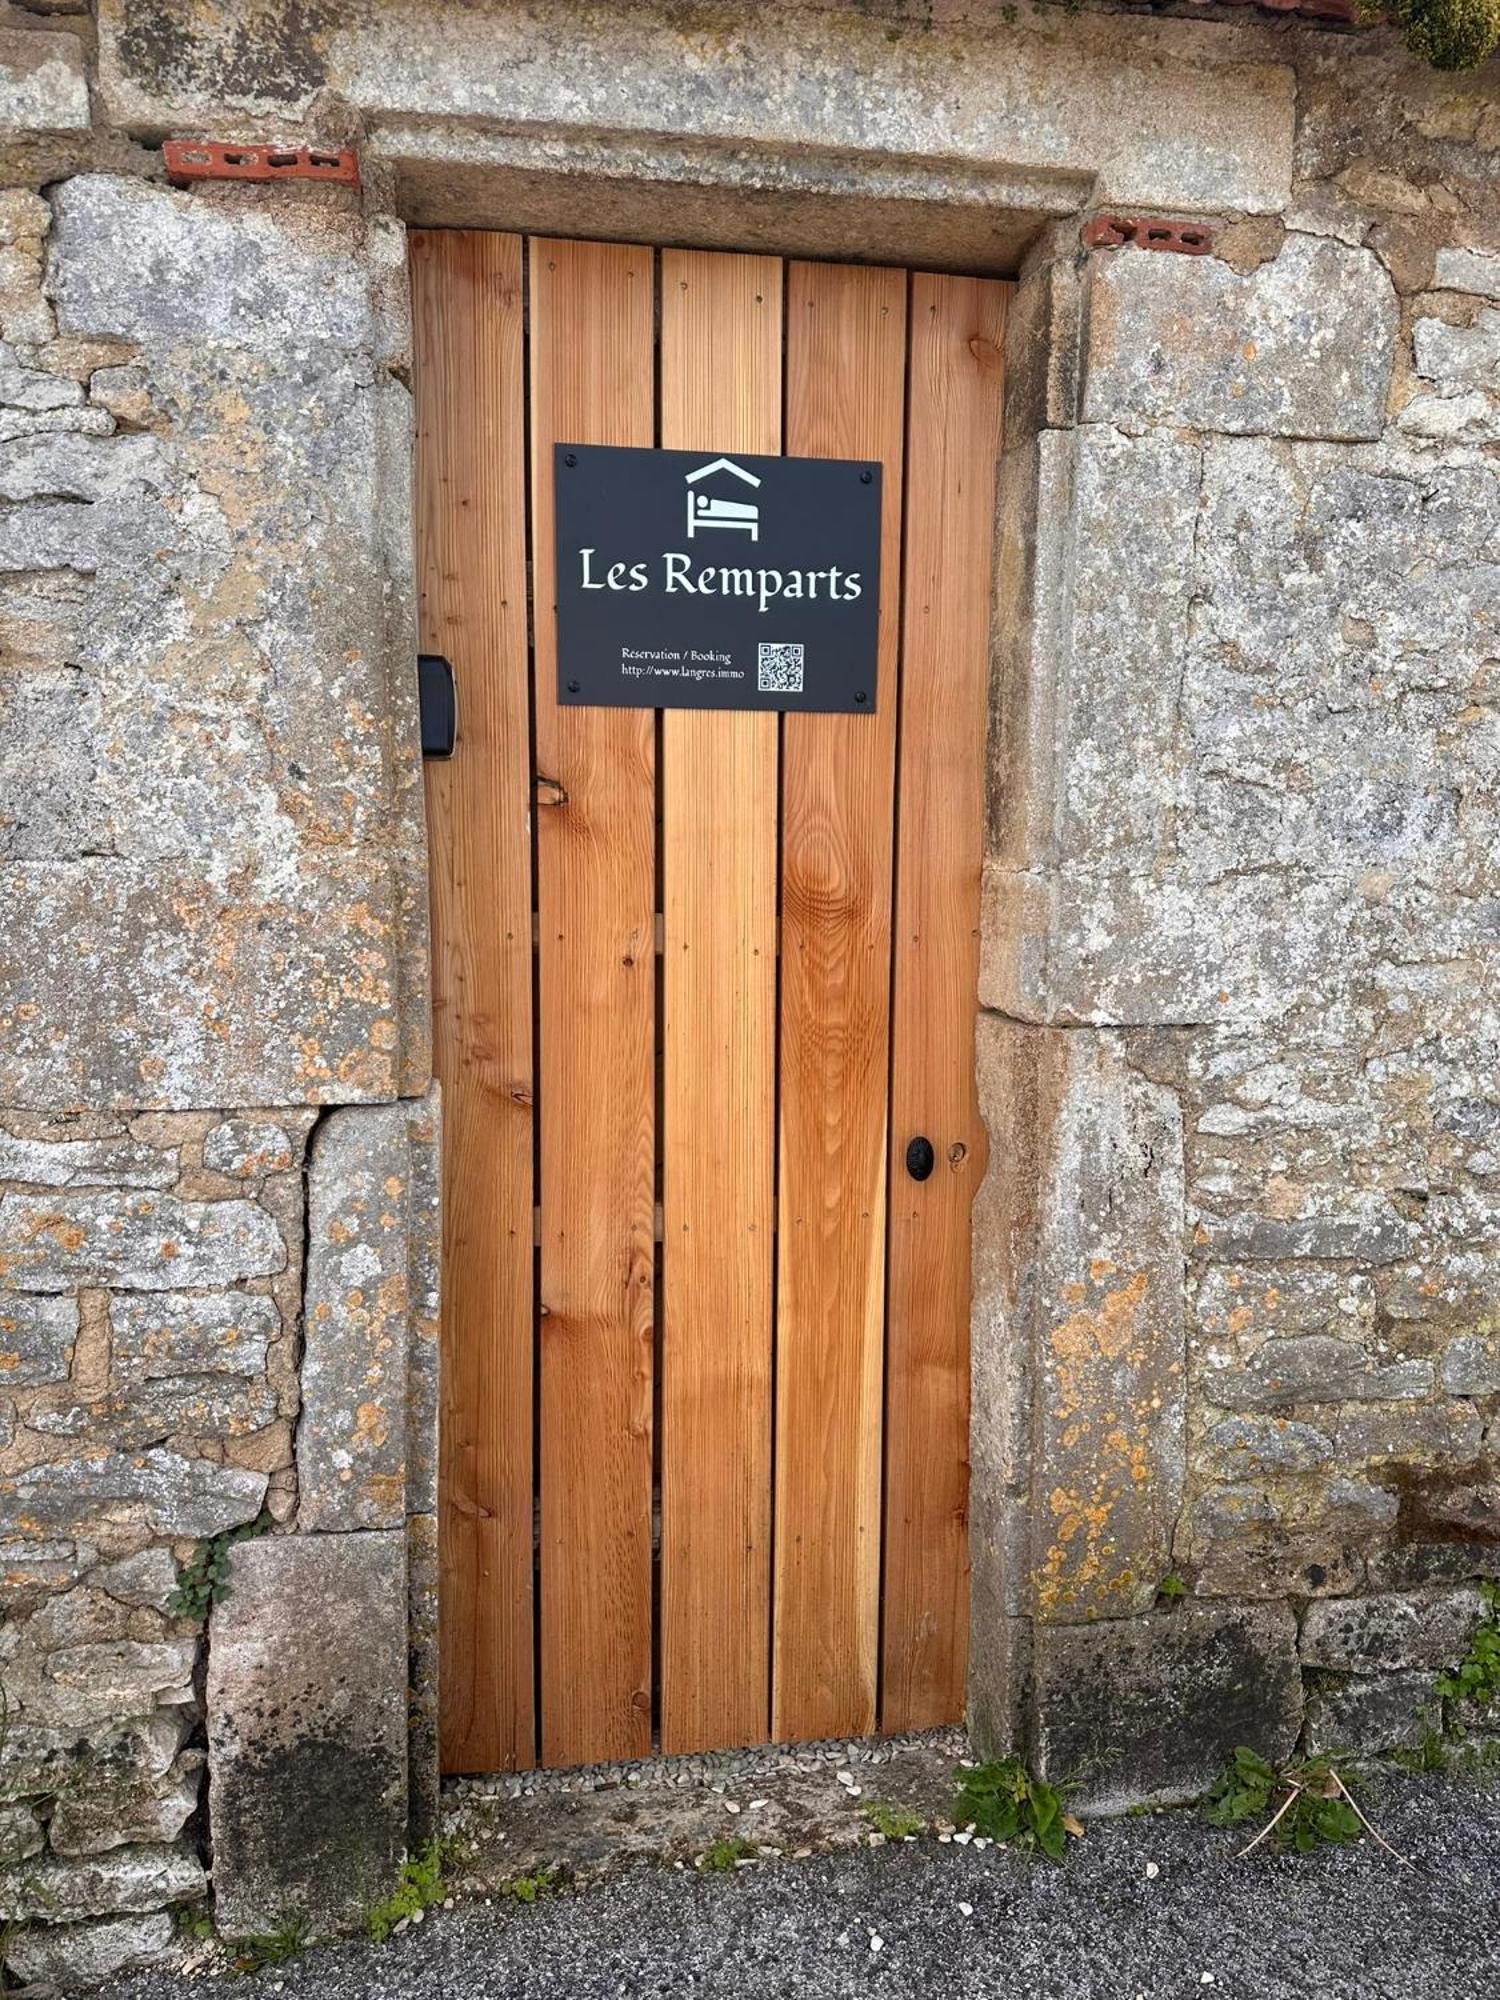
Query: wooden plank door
[{"x": 702, "y": 976}]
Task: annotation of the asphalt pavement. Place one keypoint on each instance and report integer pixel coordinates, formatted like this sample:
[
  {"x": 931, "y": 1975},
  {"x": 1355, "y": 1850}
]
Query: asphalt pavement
[{"x": 1157, "y": 1907}]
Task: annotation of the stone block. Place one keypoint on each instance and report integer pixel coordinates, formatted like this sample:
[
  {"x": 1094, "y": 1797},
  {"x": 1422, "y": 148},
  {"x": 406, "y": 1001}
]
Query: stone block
[
  {"x": 1417, "y": 1434},
  {"x": 149, "y": 1242},
  {"x": 1317, "y": 1368},
  {"x": 42, "y": 83},
  {"x": 1275, "y": 1558},
  {"x": 147, "y": 1580},
  {"x": 177, "y": 928},
  {"x": 1453, "y": 417},
  {"x": 1417, "y": 1564},
  {"x": 1364, "y": 1228},
  {"x": 1461, "y": 270},
  {"x": 165, "y": 1492},
  {"x": 1471, "y": 1366},
  {"x": 248, "y": 1148},
  {"x": 56, "y": 1163},
  {"x": 127, "y": 1676},
  {"x": 36, "y": 1339},
  {"x": 81, "y": 1955},
  {"x": 48, "y": 725},
  {"x": 21, "y": 1834},
  {"x": 1362, "y": 1716},
  {"x": 267, "y": 276},
  {"x": 1247, "y": 1446},
  {"x": 126, "y": 1879},
  {"x": 165, "y": 1334},
  {"x": 1302, "y": 346},
  {"x": 1312, "y": 825},
  {"x": 307, "y": 1708},
  {"x": 370, "y": 1292},
  {"x": 1133, "y": 518},
  {"x": 29, "y": 1566},
  {"x": 1150, "y": 1709},
  {"x": 94, "y": 1818},
  {"x": 1091, "y": 1282},
  {"x": 37, "y": 1761},
  {"x": 1391, "y": 1632},
  {"x": 1042, "y": 333},
  {"x": 196, "y": 1406},
  {"x": 1461, "y": 357},
  {"x": 1360, "y": 1504}
]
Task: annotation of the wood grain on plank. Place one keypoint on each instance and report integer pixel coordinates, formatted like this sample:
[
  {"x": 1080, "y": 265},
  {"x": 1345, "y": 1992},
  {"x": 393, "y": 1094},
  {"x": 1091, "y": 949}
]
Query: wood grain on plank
[
  {"x": 720, "y": 392},
  {"x": 470, "y": 528},
  {"x": 953, "y": 443},
  {"x": 592, "y": 382},
  {"x": 846, "y": 353}
]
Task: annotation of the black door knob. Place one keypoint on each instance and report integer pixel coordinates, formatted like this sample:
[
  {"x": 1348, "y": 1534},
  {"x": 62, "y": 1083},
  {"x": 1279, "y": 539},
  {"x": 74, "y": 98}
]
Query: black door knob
[{"x": 919, "y": 1159}]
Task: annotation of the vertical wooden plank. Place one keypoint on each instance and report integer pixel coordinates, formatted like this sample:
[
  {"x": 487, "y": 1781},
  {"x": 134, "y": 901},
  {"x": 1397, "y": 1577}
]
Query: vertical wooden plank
[
  {"x": 846, "y": 351},
  {"x": 953, "y": 440},
  {"x": 720, "y": 392},
  {"x": 592, "y": 382},
  {"x": 471, "y": 541}
]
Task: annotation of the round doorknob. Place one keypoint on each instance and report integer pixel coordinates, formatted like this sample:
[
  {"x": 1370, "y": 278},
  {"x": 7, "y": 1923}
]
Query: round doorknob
[{"x": 919, "y": 1159}]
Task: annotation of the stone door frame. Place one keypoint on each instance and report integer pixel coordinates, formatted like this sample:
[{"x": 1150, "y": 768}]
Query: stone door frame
[{"x": 1028, "y": 228}]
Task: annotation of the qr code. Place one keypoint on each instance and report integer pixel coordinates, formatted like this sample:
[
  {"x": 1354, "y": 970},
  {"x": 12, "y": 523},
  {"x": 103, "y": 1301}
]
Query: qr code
[{"x": 780, "y": 670}]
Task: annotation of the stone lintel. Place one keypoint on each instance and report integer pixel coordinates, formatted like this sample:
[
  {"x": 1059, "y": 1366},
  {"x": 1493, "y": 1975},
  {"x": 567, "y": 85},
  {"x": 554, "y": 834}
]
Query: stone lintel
[{"x": 1155, "y": 114}]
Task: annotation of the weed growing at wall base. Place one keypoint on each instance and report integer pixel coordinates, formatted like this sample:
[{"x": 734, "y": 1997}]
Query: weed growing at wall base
[
  {"x": 1312, "y": 1807},
  {"x": 1005, "y": 1803},
  {"x": 418, "y": 1887},
  {"x": 271, "y": 1948}
]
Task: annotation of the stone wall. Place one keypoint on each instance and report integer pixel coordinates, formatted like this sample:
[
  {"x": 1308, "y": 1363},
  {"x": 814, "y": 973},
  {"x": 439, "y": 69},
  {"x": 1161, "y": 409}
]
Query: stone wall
[
  {"x": 148, "y": 1351},
  {"x": 212, "y": 900},
  {"x": 1236, "y": 1317},
  {"x": 1242, "y": 910}
]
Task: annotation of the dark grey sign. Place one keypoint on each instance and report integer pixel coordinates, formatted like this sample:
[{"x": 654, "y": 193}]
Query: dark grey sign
[{"x": 691, "y": 579}]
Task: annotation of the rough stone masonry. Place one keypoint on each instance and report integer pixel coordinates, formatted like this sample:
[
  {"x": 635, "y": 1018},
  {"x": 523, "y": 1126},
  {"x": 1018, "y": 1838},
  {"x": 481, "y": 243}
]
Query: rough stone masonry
[{"x": 1237, "y": 1298}]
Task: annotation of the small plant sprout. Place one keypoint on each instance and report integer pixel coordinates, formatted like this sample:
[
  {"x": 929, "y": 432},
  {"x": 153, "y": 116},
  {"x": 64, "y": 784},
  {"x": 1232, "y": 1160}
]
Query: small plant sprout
[
  {"x": 194, "y": 1924},
  {"x": 726, "y": 1854},
  {"x": 894, "y": 1822},
  {"x": 529, "y": 1888},
  {"x": 1171, "y": 1588},
  {"x": 418, "y": 1887},
  {"x": 1003, "y": 1802},
  {"x": 269, "y": 1948}
]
